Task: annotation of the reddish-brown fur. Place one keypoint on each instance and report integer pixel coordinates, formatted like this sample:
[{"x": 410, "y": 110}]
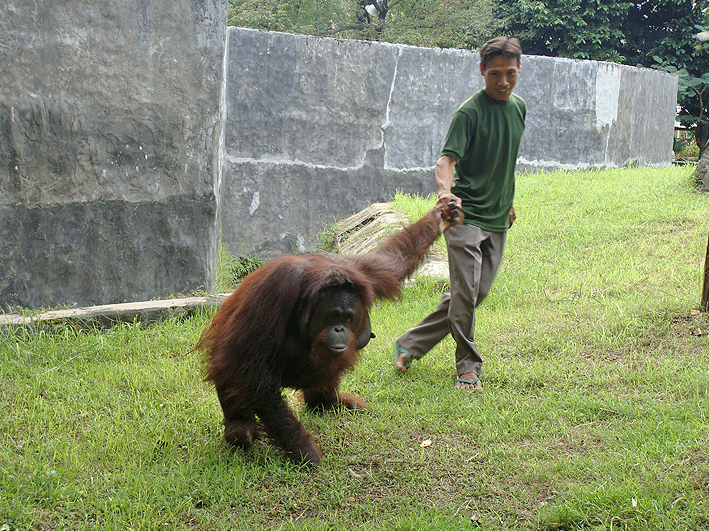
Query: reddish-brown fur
[{"x": 258, "y": 341}]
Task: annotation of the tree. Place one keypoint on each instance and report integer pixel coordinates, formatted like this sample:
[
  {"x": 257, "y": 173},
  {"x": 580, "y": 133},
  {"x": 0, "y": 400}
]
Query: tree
[
  {"x": 577, "y": 29},
  {"x": 439, "y": 23},
  {"x": 661, "y": 28},
  {"x": 290, "y": 16},
  {"x": 621, "y": 31},
  {"x": 663, "y": 34}
]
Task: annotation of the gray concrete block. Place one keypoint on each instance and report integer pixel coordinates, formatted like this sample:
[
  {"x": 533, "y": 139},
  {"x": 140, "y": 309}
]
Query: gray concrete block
[
  {"x": 110, "y": 122},
  {"x": 105, "y": 251},
  {"x": 317, "y": 129},
  {"x": 110, "y": 314}
]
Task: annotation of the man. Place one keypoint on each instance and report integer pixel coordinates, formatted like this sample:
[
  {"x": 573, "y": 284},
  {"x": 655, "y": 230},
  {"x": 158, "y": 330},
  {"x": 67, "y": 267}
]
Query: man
[{"x": 477, "y": 171}]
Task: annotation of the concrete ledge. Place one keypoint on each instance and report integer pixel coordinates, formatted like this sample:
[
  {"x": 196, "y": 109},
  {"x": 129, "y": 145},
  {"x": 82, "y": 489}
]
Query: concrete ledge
[
  {"x": 110, "y": 314},
  {"x": 147, "y": 312}
]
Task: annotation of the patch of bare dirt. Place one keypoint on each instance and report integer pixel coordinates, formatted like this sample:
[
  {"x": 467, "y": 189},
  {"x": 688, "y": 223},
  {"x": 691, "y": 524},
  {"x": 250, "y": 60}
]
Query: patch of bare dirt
[{"x": 695, "y": 324}]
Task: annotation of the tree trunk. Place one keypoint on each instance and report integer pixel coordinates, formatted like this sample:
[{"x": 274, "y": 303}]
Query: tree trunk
[
  {"x": 705, "y": 288},
  {"x": 701, "y": 136},
  {"x": 702, "y": 172}
]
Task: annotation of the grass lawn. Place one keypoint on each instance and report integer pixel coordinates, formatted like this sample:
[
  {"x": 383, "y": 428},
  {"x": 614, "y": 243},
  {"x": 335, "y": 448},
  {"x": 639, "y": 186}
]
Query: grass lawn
[{"x": 593, "y": 414}]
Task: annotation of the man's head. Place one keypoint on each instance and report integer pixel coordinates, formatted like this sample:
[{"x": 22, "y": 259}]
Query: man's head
[
  {"x": 500, "y": 65},
  {"x": 507, "y": 46}
]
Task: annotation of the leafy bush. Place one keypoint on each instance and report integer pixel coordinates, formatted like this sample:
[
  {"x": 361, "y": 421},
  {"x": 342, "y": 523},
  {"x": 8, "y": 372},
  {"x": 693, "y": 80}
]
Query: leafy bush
[{"x": 231, "y": 269}]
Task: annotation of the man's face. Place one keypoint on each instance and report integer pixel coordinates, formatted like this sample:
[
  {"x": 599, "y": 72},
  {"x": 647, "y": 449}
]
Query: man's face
[{"x": 500, "y": 76}]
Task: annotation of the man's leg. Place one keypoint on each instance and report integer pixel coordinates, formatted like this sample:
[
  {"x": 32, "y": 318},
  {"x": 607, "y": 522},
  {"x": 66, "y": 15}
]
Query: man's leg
[
  {"x": 493, "y": 249},
  {"x": 475, "y": 257},
  {"x": 417, "y": 341}
]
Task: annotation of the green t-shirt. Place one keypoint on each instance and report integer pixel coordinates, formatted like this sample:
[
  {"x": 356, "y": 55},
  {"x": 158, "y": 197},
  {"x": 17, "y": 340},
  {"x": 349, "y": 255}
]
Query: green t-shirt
[{"x": 484, "y": 139}]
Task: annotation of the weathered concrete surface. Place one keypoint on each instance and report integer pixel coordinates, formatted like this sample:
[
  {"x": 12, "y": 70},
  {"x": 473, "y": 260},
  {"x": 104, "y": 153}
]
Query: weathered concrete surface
[
  {"x": 587, "y": 114},
  {"x": 110, "y": 123},
  {"x": 93, "y": 252},
  {"x": 318, "y": 129},
  {"x": 304, "y": 139}
]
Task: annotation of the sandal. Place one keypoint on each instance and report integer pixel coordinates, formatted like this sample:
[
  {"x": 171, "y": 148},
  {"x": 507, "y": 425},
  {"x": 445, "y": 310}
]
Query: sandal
[
  {"x": 475, "y": 384},
  {"x": 398, "y": 351}
]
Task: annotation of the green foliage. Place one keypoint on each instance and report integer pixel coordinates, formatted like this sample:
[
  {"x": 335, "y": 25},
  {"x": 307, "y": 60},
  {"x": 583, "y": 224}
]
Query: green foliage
[
  {"x": 578, "y": 29},
  {"x": 326, "y": 240},
  {"x": 619, "y": 31},
  {"x": 413, "y": 207},
  {"x": 292, "y": 16},
  {"x": 433, "y": 23},
  {"x": 664, "y": 29},
  {"x": 686, "y": 149},
  {"x": 450, "y": 24}
]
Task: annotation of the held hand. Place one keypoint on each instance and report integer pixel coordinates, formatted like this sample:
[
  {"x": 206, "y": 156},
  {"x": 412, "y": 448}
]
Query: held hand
[
  {"x": 448, "y": 212},
  {"x": 446, "y": 197},
  {"x": 513, "y": 216}
]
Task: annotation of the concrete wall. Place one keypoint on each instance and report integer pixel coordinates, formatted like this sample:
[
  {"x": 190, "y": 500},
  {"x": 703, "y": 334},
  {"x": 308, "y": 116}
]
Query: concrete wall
[
  {"x": 319, "y": 128},
  {"x": 132, "y": 132},
  {"x": 110, "y": 122}
]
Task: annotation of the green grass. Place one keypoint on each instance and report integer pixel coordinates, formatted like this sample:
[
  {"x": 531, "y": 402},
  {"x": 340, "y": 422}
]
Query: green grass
[
  {"x": 593, "y": 414},
  {"x": 231, "y": 269}
]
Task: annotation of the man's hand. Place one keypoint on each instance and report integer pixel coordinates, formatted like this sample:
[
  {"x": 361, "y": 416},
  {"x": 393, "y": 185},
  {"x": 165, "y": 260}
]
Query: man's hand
[
  {"x": 513, "y": 216},
  {"x": 446, "y": 197},
  {"x": 449, "y": 213}
]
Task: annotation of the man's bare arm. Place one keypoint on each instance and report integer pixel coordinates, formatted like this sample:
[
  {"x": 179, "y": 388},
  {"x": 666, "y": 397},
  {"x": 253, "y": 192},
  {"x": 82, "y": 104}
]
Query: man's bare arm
[{"x": 445, "y": 170}]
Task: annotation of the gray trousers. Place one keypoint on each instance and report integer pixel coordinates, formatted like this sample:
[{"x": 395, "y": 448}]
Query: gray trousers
[{"x": 474, "y": 256}]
